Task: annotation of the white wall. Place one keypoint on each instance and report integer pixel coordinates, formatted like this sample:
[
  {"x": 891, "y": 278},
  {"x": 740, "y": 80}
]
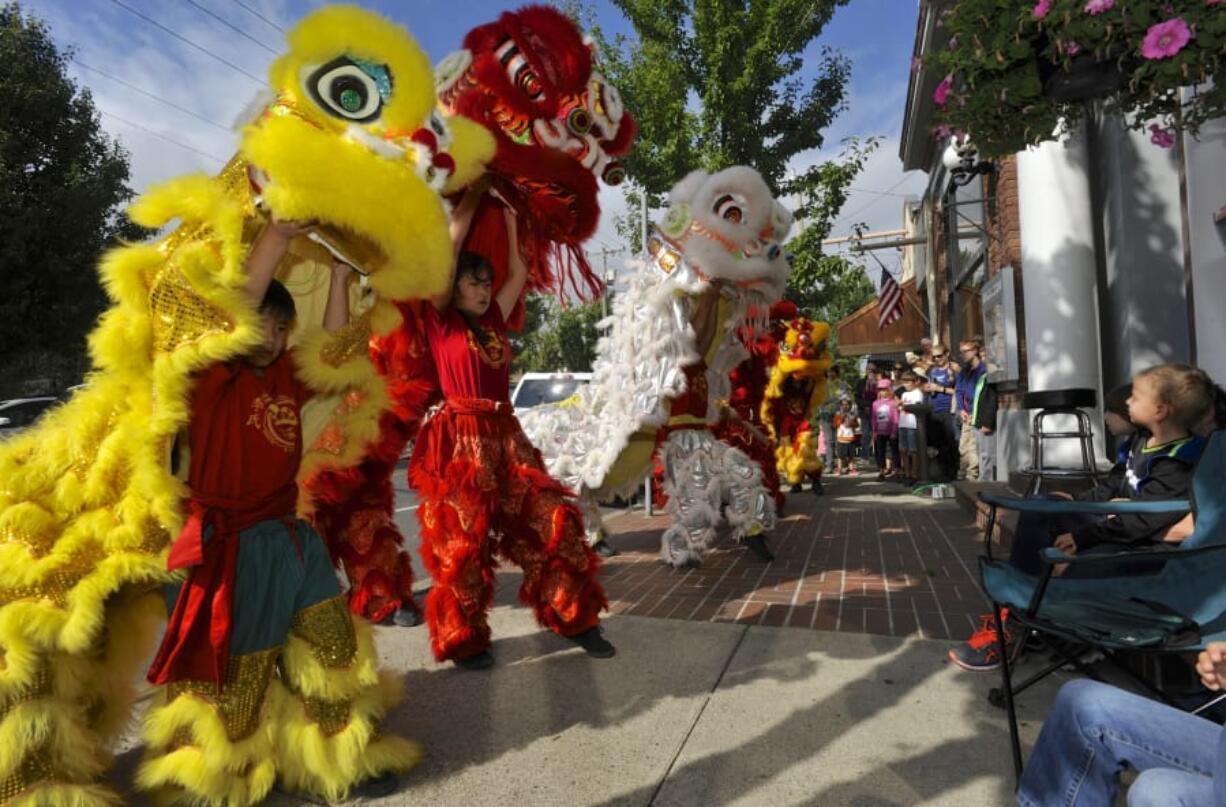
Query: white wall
[
  {"x": 1059, "y": 287},
  {"x": 1206, "y": 173}
]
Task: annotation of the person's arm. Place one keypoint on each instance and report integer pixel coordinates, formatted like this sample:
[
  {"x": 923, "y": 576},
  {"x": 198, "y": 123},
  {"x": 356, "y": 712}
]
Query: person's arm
[
  {"x": 266, "y": 254},
  {"x": 461, "y": 221},
  {"x": 336, "y": 315},
  {"x": 1168, "y": 479},
  {"x": 517, "y": 268}
]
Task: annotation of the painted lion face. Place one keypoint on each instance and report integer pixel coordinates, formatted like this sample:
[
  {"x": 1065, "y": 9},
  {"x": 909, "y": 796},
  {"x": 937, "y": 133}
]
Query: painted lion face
[
  {"x": 352, "y": 140},
  {"x": 803, "y": 351},
  {"x": 529, "y": 78},
  {"x": 729, "y": 228}
]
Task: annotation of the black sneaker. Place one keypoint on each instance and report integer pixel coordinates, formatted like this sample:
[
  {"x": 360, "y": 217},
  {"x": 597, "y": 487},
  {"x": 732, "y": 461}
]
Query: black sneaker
[
  {"x": 817, "y": 488},
  {"x": 594, "y": 644},
  {"x": 795, "y": 488},
  {"x": 604, "y": 550},
  {"x": 383, "y": 785},
  {"x": 481, "y": 661},
  {"x": 757, "y": 545},
  {"x": 981, "y": 653}
]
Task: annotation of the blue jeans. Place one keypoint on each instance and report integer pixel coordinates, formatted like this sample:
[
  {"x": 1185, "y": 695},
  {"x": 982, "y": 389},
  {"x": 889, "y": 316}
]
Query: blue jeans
[{"x": 1094, "y": 730}]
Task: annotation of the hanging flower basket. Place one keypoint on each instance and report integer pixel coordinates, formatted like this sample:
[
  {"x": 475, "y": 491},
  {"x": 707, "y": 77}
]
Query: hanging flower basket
[{"x": 1019, "y": 72}]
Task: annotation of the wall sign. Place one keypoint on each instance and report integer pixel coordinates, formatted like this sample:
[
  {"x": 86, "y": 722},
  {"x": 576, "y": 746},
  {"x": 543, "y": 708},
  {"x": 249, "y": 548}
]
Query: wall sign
[{"x": 1000, "y": 326}]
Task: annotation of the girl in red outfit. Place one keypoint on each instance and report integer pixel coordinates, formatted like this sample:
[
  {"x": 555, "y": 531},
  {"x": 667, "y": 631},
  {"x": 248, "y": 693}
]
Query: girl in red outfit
[{"x": 483, "y": 486}]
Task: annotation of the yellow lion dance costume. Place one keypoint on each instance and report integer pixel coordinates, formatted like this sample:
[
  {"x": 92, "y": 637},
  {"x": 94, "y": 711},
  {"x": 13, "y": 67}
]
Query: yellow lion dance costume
[
  {"x": 794, "y": 392},
  {"x": 89, "y": 504}
]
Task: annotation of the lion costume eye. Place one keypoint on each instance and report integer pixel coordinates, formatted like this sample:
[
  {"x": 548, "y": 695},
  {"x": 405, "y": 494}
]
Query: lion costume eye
[
  {"x": 522, "y": 76},
  {"x": 349, "y": 90},
  {"x": 728, "y": 208}
]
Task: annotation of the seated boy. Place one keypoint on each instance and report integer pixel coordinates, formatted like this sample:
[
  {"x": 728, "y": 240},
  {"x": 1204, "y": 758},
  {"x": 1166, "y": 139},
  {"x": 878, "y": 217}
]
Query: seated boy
[{"x": 1155, "y": 463}]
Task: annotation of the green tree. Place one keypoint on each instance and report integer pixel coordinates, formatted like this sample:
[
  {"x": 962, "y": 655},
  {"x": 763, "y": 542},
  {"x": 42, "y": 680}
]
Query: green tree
[
  {"x": 62, "y": 182},
  {"x": 715, "y": 83},
  {"x": 557, "y": 337}
]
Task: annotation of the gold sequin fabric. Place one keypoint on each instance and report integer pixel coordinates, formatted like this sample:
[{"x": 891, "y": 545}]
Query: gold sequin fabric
[
  {"x": 34, "y": 769},
  {"x": 180, "y": 315},
  {"x": 350, "y": 342},
  {"x": 56, "y": 585},
  {"x": 242, "y": 693},
  {"x": 332, "y": 716},
  {"x": 328, "y": 628}
]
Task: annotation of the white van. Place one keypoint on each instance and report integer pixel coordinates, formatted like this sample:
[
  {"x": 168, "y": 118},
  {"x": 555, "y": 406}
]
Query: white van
[{"x": 535, "y": 389}]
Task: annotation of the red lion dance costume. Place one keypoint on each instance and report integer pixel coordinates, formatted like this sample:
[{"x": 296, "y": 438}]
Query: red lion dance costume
[{"x": 528, "y": 78}]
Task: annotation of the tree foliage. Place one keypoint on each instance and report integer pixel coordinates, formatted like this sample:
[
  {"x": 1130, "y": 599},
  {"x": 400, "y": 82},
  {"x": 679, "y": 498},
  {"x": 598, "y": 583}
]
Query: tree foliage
[
  {"x": 557, "y": 337},
  {"x": 62, "y": 181},
  {"x": 715, "y": 83}
]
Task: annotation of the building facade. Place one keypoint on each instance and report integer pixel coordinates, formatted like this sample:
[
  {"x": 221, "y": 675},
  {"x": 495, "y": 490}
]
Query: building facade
[{"x": 1081, "y": 261}]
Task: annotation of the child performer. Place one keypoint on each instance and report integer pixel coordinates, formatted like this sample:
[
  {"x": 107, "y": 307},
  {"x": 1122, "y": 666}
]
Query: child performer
[
  {"x": 261, "y": 594},
  {"x": 483, "y": 486}
]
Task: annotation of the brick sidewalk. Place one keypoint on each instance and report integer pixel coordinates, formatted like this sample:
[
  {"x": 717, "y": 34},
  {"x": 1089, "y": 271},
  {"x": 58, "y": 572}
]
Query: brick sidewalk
[{"x": 865, "y": 558}]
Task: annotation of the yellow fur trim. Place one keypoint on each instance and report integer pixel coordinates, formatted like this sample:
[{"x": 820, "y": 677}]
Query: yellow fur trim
[
  {"x": 309, "y": 677},
  {"x": 472, "y": 147},
  {"x": 329, "y": 765},
  {"x": 213, "y": 769},
  {"x": 57, "y": 794}
]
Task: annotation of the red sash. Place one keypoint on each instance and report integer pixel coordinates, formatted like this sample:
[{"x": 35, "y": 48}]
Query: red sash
[{"x": 196, "y": 646}]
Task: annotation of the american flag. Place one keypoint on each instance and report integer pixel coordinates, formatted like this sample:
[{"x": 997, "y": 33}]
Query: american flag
[{"x": 889, "y": 301}]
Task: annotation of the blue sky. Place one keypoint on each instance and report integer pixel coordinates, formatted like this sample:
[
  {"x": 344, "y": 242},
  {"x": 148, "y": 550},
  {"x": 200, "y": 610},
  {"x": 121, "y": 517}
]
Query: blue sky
[{"x": 876, "y": 34}]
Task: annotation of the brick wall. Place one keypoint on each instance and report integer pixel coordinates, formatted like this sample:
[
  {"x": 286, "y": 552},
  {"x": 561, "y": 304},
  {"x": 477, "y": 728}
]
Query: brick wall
[{"x": 1004, "y": 248}]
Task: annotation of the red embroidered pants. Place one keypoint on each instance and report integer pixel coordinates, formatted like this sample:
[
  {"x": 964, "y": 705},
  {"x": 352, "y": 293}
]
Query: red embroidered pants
[{"x": 485, "y": 494}]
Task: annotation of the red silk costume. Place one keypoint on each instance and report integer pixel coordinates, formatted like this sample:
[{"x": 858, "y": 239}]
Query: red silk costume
[
  {"x": 529, "y": 78},
  {"x": 484, "y": 491}
]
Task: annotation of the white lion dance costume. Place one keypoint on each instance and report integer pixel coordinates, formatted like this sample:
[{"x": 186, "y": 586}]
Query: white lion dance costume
[
  {"x": 660, "y": 378},
  {"x": 89, "y": 505}
]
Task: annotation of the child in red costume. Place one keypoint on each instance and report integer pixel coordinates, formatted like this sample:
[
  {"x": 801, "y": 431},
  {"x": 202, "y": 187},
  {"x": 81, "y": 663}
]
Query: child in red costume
[
  {"x": 483, "y": 486},
  {"x": 260, "y": 594}
]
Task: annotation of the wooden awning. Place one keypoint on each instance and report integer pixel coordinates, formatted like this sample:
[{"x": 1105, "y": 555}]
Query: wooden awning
[{"x": 858, "y": 333}]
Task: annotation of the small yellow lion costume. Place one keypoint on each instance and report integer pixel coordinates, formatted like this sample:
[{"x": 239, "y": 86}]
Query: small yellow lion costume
[
  {"x": 89, "y": 505},
  {"x": 794, "y": 392}
]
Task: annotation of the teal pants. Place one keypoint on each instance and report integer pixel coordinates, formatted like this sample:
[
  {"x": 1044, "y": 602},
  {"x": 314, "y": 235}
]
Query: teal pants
[{"x": 277, "y": 576}]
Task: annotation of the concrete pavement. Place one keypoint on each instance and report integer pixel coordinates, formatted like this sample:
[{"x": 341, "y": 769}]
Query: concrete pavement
[{"x": 726, "y": 709}]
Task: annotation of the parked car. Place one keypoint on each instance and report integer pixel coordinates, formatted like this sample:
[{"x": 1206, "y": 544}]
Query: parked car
[
  {"x": 18, "y": 413},
  {"x": 535, "y": 389}
]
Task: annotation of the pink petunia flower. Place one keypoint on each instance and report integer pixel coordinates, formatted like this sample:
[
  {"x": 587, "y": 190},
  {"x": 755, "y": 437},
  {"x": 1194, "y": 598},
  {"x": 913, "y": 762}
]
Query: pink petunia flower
[
  {"x": 1040, "y": 9},
  {"x": 916, "y": 64},
  {"x": 941, "y": 94},
  {"x": 1072, "y": 49},
  {"x": 1163, "y": 138},
  {"x": 1099, "y": 6},
  {"x": 1165, "y": 39},
  {"x": 1215, "y": 2}
]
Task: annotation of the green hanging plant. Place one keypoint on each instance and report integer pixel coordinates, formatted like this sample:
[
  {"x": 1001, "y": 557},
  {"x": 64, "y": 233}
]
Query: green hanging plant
[{"x": 1018, "y": 72}]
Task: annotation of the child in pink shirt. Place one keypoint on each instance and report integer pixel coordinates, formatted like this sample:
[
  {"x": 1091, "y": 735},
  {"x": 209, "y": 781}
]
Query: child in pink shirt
[{"x": 885, "y": 428}]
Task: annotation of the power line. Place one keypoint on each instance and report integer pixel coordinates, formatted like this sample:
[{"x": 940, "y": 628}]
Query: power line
[
  {"x": 160, "y": 136},
  {"x": 187, "y": 41},
  {"x": 231, "y": 26},
  {"x": 251, "y": 10},
  {"x": 864, "y": 207},
  {"x": 148, "y": 94}
]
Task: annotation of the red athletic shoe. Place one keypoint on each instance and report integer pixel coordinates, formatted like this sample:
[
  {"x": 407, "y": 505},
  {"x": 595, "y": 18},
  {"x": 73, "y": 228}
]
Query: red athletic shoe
[{"x": 981, "y": 653}]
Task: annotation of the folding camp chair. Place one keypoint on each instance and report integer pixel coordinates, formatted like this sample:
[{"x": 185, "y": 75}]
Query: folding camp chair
[{"x": 1176, "y": 605}]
